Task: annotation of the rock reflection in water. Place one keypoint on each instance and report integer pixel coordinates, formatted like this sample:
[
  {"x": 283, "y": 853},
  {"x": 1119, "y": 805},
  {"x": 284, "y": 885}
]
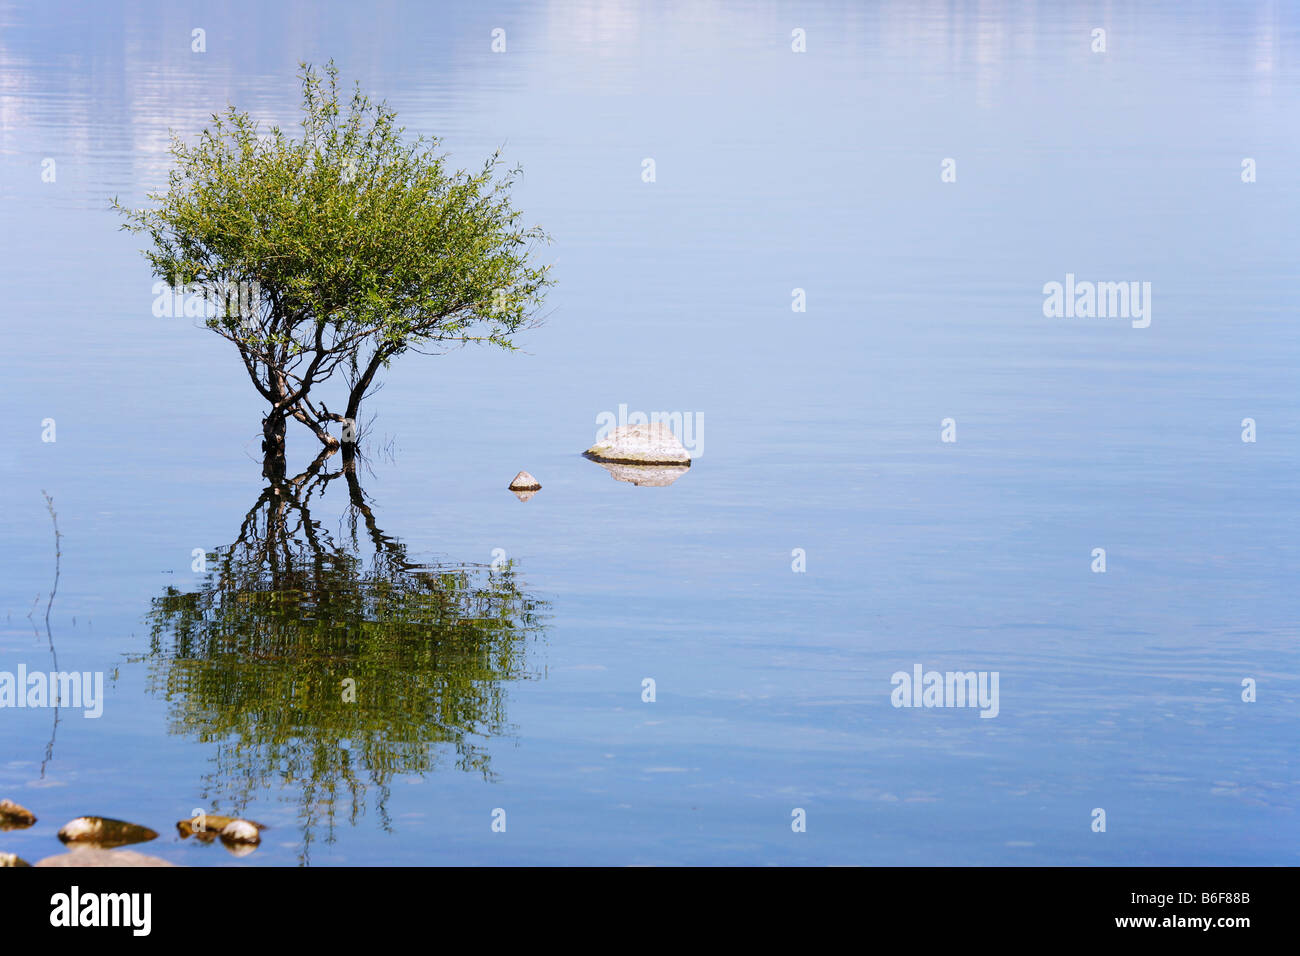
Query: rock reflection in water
[
  {"x": 322, "y": 668},
  {"x": 644, "y": 474}
]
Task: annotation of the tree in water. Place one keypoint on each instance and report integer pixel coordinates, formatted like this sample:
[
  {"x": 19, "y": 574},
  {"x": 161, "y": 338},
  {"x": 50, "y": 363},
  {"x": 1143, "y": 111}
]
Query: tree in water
[{"x": 334, "y": 253}]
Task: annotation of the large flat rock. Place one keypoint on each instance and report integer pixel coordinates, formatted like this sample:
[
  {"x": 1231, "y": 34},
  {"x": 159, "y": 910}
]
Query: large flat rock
[{"x": 653, "y": 444}]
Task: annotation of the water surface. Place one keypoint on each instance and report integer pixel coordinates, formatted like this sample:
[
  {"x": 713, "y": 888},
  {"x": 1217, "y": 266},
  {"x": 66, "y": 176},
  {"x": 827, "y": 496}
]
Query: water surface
[{"x": 520, "y": 686}]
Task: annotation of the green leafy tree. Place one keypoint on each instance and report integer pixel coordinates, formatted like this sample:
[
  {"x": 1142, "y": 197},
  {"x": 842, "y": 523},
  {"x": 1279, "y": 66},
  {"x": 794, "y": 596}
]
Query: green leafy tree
[{"x": 334, "y": 253}]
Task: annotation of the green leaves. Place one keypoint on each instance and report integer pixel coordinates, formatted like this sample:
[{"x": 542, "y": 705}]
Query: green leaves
[{"x": 359, "y": 240}]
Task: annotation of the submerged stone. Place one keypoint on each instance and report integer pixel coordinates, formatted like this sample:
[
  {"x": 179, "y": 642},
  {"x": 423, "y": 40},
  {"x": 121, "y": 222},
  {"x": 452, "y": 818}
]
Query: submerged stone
[
  {"x": 92, "y": 856},
  {"x": 104, "y": 832},
  {"x": 652, "y": 444}
]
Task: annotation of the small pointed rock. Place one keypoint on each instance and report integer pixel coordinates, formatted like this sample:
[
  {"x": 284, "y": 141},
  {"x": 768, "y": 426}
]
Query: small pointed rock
[
  {"x": 12, "y": 859},
  {"x": 525, "y": 482},
  {"x": 13, "y": 817}
]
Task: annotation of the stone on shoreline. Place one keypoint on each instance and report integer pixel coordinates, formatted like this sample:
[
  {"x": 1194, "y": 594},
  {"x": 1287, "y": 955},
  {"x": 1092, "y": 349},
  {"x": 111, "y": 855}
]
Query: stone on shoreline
[
  {"x": 652, "y": 444},
  {"x": 13, "y": 816},
  {"x": 240, "y": 831},
  {"x": 212, "y": 826},
  {"x": 104, "y": 832},
  {"x": 12, "y": 859}
]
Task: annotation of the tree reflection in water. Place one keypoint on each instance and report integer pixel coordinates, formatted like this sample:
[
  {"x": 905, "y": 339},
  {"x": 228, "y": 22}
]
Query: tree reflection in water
[{"x": 259, "y": 658}]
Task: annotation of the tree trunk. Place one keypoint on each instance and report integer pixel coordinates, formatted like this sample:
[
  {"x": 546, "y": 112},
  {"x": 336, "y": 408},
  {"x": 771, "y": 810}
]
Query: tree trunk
[
  {"x": 358, "y": 391},
  {"x": 273, "y": 447},
  {"x": 274, "y": 426}
]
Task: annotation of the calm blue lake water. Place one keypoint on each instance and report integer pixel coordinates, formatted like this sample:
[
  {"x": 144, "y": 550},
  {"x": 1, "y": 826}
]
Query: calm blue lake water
[{"x": 820, "y": 430}]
